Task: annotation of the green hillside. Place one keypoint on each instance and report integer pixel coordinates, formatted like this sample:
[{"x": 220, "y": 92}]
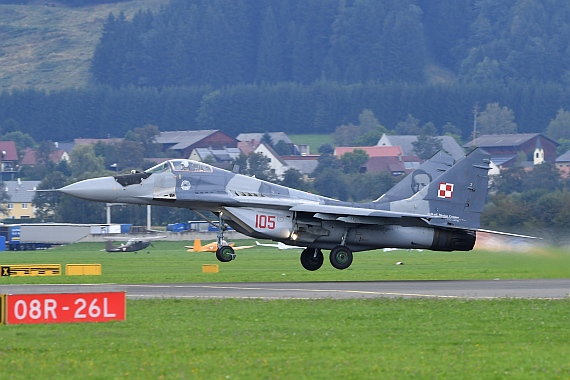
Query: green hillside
[{"x": 51, "y": 47}]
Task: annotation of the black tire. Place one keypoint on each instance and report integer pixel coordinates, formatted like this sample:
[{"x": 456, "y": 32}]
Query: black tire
[
  {"x": 225, "y": 253},
  {"x": 341, "y": 257},
  {"x": 312, "y": 259}
]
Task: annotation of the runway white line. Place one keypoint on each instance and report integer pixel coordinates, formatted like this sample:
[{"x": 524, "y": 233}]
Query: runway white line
[{"x": 340, "y": 291}]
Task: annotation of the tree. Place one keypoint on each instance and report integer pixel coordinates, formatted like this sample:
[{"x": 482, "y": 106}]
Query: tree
[
  {"x": 353, "y": 161},
  {"x": 146, "y": 136},
  {"x": 22, "y": 140},
  {"x": 496, "y": 120},
  {"x": 368, "y": 121},
  {"x": 370, "y": 129},
  {"x": 84, "y": 162},
  {"x": 544, "y": 176},
  {"x": 408, "y": 127},
  {"x": 331, "y": 182},
  {"x": 258, "y": 165},
  {"x": 505, "y": 211},
  {"x": 130, "y": 155},
  {"x": 370, "y": 186},
  {"x": 282, "y": 148},
  {"x": 4, "y": 198},
  {"x": 509, "y": 181},
  {"x": 367, "y": 133},
  {"x": 294, "y": 178},
  {"x": 255, "y": 164},
  {"x": 46, "y": 203},
  {"x": 44, "y": 152},
  {"x": 371, "y": 138},
  {"x": 346, "y": 135},
  {"x": 426, "y": 146},
  {"x": 267, "y": 140},
  {"x": 559, "y": 127}
]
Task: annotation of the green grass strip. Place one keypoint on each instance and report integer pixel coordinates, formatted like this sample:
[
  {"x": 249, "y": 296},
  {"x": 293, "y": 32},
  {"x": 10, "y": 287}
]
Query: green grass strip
[
  {"x": 301, "y": 339},
  {"x": 169, "y": 262}
]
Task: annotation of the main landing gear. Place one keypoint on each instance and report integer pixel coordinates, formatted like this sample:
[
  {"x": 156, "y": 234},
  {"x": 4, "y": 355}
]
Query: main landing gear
[{"x": 340, "y": 258}]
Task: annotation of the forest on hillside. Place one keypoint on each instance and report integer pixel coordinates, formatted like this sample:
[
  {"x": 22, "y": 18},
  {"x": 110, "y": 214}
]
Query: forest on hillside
[
  {"x": 229, "y": 42},
  {"x": 309, "y": 66},
  {"x": 54, "y": 3}
]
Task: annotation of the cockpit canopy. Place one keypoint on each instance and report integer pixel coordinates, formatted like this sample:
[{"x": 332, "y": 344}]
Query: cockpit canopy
[{"x": 180, "y": 165}]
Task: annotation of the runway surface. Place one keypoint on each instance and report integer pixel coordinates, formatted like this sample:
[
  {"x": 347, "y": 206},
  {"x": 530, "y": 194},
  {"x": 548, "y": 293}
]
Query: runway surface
[{"x": 546, "y": 289}]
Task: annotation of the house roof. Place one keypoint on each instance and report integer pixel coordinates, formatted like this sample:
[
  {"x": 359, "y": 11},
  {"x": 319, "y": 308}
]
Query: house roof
[
  {"x": 504, "y": 140},
  {"x": 372, "y": 151},
  {"x": 31, "y": 159},
  {"x": 501, "y": 159},
  {"x": 19, "y": 190},
  {"x": 448, "y": 144},
  {"x": 381, "y": 164},
  {"x": 10, "y": 148},
  {"x": 183, "y": 139},
  {"x": 66, "y": 146},
  {"x": 275, "y": 137},
  {"x": 304, "y": 164},
  {"x": 564, "y": 157},
  {"x": 271, "y": 151}
]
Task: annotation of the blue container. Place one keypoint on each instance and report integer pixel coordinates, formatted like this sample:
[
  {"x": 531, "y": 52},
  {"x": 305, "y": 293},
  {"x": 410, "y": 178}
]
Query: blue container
[{"x": 176, "y": 227}]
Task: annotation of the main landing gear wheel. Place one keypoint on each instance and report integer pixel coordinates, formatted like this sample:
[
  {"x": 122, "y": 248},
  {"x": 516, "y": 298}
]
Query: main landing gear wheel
[
  {"x": 312, "y": 258},
  {"x": 225, "y": 253},
  {"x": 341, "y": 257}
]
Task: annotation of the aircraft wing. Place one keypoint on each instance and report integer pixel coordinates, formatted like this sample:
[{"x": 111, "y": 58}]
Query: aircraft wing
[
  {"x": 321, "y": 211},
  {"x": 266, "y": 244},
  {"x": 279, "y": 245},
  {"x": 243, "y": 247}
]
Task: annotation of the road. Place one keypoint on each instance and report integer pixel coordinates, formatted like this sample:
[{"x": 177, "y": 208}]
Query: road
[{"x": 545, "y": 289}]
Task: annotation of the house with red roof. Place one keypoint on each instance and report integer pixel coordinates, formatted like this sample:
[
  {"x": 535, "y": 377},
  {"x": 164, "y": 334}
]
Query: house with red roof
[
  {"x": 384, "y": 158},
  {"x": 30, "y": 158}
]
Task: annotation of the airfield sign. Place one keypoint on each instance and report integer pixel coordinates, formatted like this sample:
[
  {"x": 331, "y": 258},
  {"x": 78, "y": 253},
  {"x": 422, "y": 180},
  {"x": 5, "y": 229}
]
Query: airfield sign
[{"x": 64, "y": 308}]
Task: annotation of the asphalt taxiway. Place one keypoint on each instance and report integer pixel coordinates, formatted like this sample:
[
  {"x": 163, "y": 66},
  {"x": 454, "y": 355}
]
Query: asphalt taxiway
[{"x": 491, "y": 289}]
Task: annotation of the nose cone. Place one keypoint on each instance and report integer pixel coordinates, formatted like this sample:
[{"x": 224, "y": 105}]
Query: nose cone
[{"x": 102, "y": 189}]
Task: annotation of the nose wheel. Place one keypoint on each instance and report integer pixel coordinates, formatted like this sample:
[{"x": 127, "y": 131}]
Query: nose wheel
[
  {"x": 312, "y": 258},
  {"x": 225, "y": 254}
]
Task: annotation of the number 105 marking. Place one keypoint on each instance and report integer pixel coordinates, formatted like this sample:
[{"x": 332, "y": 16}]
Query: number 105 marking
[{"x": 265, "y": 221}]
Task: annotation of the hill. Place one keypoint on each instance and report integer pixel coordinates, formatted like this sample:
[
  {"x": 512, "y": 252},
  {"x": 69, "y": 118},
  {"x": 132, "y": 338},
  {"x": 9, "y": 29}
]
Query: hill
[{"x": 50, "y": 47}]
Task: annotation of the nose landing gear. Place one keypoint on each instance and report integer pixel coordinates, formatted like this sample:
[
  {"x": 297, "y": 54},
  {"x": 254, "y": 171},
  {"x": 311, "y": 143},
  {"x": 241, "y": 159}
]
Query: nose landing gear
[{"x": 312, "y": 259}]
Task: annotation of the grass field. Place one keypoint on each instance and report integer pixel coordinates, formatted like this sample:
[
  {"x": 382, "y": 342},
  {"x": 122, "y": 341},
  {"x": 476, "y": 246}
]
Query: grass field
[
  {"x": 169, "y": 262},
  {"x": 314, "y": 141},
  {"x": 301, "y": 339},
  {"x": 298, "y": 339}
]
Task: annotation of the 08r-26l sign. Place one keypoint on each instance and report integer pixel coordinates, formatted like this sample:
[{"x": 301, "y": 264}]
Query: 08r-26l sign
[{"x": 65, "y": 308}]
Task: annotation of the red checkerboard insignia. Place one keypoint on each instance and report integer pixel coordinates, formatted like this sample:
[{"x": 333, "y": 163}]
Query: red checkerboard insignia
[{"x": 445, "y": 190}]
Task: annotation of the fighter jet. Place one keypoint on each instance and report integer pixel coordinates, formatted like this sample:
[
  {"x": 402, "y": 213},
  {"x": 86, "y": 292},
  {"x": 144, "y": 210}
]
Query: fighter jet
[{"x": 443, "y": 215}]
